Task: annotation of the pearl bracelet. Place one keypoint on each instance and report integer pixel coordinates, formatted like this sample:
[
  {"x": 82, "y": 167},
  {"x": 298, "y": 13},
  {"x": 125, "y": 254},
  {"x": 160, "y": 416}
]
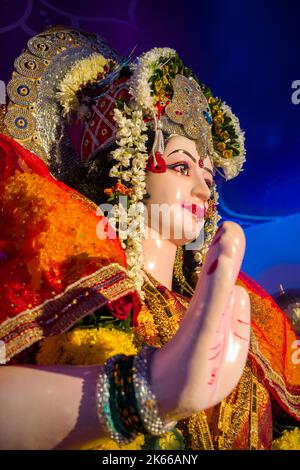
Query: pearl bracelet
[
  {"x": 111, "y": 399},
  {"x": 146, "y": 400}
]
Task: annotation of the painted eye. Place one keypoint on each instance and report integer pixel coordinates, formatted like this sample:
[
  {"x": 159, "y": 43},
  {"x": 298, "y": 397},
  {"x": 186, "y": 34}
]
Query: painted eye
[{"x": 181, "y": 168}]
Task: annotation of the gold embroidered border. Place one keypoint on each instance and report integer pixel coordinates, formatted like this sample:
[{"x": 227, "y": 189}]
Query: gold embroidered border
[
  {"x": 56, "y": 315},
  {"x": 162, "y": 312},
  {"x": 199, "y": 431},
  {"x": 253, "y": 437},
  {"x": 237, "y": 407},
  {"x": 290, "y": 400}
]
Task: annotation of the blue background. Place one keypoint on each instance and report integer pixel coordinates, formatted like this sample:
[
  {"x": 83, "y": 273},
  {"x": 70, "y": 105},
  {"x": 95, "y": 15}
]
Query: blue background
[{"x": 248, "y": 53}]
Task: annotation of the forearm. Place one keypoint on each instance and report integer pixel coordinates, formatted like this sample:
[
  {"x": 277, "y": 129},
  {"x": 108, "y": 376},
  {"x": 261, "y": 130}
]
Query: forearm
[{"x": 48, "y": 407}]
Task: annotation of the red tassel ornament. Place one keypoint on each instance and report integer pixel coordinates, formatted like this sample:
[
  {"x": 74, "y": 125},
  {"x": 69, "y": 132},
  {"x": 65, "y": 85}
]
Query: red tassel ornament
[{"x": 157, "y": 165}]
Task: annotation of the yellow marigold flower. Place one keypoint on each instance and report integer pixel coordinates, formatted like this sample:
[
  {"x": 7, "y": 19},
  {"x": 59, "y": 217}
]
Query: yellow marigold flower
[
  {"x": 85, "y": 346},
  {"x": 290, "y": 440},
  {"x": 221, "y": 146},
  {"x": 211, "y": 100},
  {"x": 216, "y": 108},
  {"x": 106, "y": 443},
  {"x": 118, "y": 187},
  {"x": 217, "y": 128},
  {"x": 170, "y": 441},
  {"x": 158, "y": 85},
  {"x": 225, "y": 135},
  {"x": 228, "y": 154},
  {"x": 219, "y": 119}
]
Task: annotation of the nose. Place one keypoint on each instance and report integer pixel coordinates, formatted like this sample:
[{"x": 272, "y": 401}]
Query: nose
[{"x": 200, "y": 189}]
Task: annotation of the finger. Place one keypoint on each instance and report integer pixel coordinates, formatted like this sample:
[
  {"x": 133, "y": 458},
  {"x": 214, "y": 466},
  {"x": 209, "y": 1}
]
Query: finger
[
  {"x": 236, "y": 346},
  {"x": 218, "y": 277}
]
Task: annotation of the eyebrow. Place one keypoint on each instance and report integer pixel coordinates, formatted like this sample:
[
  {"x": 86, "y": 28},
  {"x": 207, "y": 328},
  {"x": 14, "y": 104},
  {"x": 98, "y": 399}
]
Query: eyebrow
[{"x": 193, "y": 158}]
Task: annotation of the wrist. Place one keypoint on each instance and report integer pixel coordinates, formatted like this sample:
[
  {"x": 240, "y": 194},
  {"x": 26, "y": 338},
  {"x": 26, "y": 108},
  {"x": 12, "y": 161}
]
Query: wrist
[{"x": 126, "y": 404}]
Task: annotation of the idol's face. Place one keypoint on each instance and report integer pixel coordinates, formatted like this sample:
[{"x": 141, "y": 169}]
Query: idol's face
[{"x": 179, "y": 196}]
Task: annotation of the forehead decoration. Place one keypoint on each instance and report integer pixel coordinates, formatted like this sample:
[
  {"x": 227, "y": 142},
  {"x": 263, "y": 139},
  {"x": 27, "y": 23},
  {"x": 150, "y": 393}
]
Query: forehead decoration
[{"x": 189, "y": 113}]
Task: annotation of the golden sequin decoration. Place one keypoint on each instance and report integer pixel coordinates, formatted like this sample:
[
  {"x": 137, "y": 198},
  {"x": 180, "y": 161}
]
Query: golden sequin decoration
[
  {"x": 22, "y": 90},
  {"x": 32, "y": 81},
  {"x": 235, "y": 409},
  {"x": 179, "y": 275},
  {"x": 35, "y": 148},
  {"x": 20, "y": 122},
  {"x": 254, "y": 414},
  {"x": 198, "y": 428},
  {"x": 29, "y": 66},
  {"x": 41, "y": 47},
  {"x": 2, "y": 116}
]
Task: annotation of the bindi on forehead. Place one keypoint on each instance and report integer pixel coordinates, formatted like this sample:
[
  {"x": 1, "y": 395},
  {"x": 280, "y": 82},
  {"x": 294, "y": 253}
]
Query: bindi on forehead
[{"x": 206, "y": 168}]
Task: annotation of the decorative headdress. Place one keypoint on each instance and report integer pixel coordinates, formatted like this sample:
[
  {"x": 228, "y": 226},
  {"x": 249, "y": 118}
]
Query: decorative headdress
[{"x": 64, "y": 75}]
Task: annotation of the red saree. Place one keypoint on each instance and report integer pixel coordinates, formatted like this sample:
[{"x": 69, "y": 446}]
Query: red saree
[{"x": 54, "y": 269}]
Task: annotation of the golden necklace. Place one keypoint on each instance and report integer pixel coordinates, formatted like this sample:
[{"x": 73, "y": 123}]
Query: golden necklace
[
  {"x": 167, "y": 325},
  {"x": 231, "y": 408}
]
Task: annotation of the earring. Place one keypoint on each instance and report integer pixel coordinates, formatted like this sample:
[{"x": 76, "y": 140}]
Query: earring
[{"x": 210, "y": 227}]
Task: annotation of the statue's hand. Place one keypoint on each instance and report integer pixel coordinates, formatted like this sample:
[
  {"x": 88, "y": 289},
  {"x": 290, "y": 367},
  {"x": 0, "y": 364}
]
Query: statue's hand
[{"x": 205, "y": 359}]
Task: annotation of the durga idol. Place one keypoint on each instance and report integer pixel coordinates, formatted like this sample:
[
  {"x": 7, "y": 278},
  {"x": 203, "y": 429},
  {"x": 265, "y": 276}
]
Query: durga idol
[{"x": 143, "y": 336}]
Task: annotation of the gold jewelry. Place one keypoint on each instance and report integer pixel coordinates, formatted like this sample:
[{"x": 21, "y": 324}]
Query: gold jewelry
[
  {"x": 198, "y": 426},
  {"x": 179, "y": 275},
  {"x": 162, "y": 315},
  {"x": 167, "y": 327}
]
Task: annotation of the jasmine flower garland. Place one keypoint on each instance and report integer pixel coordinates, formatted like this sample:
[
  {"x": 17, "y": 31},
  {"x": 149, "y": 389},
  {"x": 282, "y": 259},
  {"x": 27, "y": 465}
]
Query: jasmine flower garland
[{"x": 131, "y": 157}]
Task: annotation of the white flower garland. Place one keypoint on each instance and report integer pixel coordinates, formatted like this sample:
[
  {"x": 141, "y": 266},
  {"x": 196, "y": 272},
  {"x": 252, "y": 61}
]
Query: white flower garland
[
  {"x": 139, "y": 83},
  {"x": 82, "y": 72},
  {"x": 132, "y": 153}
]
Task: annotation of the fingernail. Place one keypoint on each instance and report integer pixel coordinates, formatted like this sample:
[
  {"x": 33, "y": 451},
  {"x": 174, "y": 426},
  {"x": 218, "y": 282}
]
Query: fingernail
[
  {"x": 216, "y": 240},
  {"x": 219, "y": 228},
  {"x": 213, "y": 267}
]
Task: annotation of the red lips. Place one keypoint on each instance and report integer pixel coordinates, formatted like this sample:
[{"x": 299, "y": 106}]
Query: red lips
[{"x": 195, "y": 209}]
